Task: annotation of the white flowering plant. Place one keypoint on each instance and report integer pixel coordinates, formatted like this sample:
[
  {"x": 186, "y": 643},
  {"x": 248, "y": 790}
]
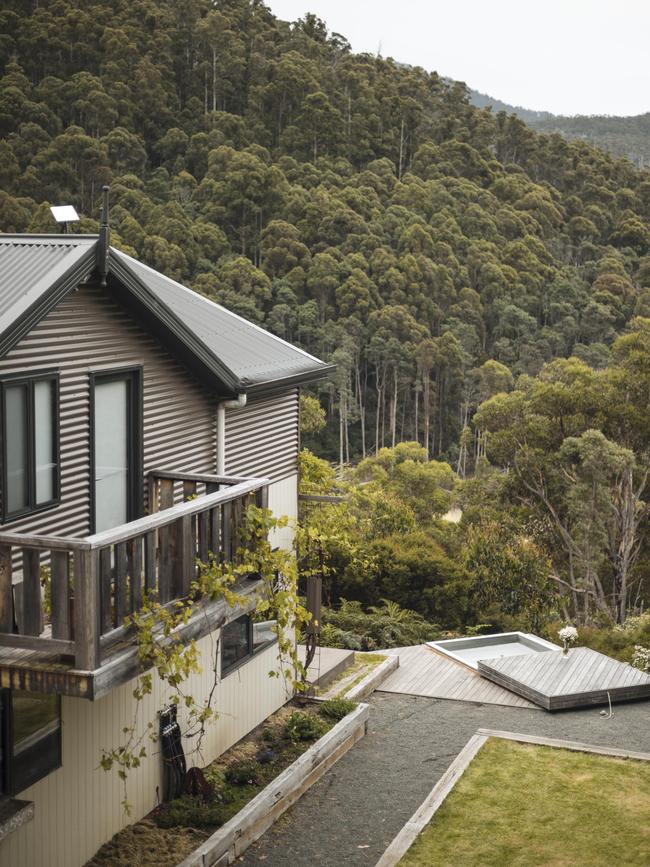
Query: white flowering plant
[
  {"x": 641, "y": 658},
  {"x": 568, "y": 635}
]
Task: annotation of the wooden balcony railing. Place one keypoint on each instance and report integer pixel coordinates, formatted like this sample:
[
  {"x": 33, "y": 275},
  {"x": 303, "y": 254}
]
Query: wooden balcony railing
[{"x": 97, "y": 581}]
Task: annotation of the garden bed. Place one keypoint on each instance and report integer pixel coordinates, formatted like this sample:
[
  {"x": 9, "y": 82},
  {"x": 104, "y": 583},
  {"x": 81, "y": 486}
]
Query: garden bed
[
  {"x": 364, "y": 665},
  {"x": 249, "y": 786},
  {"x": 510, "y": 799}
]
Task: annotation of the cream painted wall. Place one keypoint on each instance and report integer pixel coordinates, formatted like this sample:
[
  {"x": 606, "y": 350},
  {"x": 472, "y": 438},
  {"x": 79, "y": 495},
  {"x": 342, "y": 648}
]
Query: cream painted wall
[
  {"x": 77, "y": 808},
  {"x": 283, "y": 500}
]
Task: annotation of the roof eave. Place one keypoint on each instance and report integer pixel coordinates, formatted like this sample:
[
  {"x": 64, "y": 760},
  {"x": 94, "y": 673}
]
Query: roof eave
[{"x": 302, "y": 378}]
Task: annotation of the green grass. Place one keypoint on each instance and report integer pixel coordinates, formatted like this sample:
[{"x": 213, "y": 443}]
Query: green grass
[{"x": 527, "y": 806}]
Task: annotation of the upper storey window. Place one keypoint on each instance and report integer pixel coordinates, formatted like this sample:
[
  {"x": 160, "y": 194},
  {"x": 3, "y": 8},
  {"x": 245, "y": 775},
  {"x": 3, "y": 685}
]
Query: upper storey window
[{"x": 30, "y": 460}]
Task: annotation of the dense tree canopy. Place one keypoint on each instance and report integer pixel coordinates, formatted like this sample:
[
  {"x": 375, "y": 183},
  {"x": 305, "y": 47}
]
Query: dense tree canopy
[{"x": 361, "y": 208}]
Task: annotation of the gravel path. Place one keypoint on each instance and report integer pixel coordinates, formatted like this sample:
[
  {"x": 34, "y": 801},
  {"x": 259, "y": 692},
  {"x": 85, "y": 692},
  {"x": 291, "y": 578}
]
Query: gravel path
[{"x": 355, "y": 810}]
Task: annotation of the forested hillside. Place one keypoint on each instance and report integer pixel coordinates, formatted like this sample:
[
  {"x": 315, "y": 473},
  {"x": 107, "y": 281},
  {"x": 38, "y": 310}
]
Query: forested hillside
[
  {"x": 362, "y": 209},
  {"x": 622, "y": 136},
  {"x": 625, "y": 136}
]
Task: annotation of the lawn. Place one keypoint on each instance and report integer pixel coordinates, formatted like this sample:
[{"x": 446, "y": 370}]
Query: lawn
[{"x": 525, "y": 805}]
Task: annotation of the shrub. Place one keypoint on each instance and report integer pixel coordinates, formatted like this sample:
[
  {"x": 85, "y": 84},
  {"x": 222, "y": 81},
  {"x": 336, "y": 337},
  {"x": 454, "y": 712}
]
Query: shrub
[
  {"x": 384, "y": 625},
  {"x": 304, "y": 727},
  {"x": 243, "y": 773},
  {"x": 641, "y": 658},
  {"x": 336, "y": 708},
  {"x": 189, "y": 811},
  {"x": 617, "y": 641}
]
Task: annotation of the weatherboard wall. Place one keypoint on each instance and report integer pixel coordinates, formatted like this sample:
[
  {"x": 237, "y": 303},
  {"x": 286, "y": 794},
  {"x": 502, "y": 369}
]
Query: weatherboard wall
[{"x": 78, "y": 807}]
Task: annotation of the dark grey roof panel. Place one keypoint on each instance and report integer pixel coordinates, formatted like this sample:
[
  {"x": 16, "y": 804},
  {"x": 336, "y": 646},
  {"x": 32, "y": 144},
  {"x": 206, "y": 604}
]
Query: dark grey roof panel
[
  {"x": 37, "y": 270},
  {"x": 31, "y": 265},
  {"x": 254, "y": 356}
]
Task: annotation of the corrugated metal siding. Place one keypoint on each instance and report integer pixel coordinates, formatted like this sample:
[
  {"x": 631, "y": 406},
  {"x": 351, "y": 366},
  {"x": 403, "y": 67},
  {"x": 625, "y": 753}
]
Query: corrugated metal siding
[
  {"x": 89, "y": 331},
  {"x": 262, "y": 438},
  {"x": 78, "y": 807}
]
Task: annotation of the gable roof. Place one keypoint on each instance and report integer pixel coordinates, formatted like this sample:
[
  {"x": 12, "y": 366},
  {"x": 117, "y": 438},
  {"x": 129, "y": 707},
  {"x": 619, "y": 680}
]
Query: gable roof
[
  {"x": 37, "y": 271},
  {"x": 35, "y": 275}
]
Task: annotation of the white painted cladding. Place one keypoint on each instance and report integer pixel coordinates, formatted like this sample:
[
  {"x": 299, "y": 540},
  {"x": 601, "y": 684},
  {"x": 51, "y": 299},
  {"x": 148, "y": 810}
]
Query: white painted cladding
[{"x": 77, "y": 808}]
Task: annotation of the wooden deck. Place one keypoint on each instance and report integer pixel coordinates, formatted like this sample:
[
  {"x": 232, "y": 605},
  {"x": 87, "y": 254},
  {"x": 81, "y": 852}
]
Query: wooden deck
[
  {"x": 424, "y": 671},
  {"x": 554, "y": 681},
  {"x": 21, "y": 668}
]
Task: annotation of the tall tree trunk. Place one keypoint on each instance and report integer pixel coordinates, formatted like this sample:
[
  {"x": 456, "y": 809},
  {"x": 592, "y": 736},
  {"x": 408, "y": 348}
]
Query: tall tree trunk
[
  {"x": 629, "y": 510},
  {"x": 416, "y": 432},
  {"x": 393, "y": 420},
  {"x": 341, "y": 432},
  {"x": 427, "y": 412},
  {"x": 362, "y": 410},
  {"x": 378, "y": 413},
  {"x": 214, "y": 79}
]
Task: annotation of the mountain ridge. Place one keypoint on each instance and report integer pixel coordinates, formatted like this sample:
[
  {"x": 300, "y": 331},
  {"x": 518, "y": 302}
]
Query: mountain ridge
[{"x": 620, "y": 135}]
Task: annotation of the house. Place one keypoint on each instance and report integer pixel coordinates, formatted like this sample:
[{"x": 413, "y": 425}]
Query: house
[{"x": 137, "y": 419}]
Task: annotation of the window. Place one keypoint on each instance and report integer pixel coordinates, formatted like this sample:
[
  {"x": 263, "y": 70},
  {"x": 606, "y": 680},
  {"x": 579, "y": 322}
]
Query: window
[
  {"x": 30, "y": 738},
  {"x": 30, "y": 444},
  {"x": 241, "y": 639}
]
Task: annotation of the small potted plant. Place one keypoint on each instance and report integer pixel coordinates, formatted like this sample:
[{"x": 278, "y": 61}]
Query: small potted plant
[{"x": 568, "y": 634}]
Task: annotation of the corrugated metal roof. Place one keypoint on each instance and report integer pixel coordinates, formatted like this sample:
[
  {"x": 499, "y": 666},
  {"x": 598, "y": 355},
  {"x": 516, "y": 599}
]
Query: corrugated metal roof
[
  {"x": 33, "y": 266},
  {"x": 254, "y": 356}
]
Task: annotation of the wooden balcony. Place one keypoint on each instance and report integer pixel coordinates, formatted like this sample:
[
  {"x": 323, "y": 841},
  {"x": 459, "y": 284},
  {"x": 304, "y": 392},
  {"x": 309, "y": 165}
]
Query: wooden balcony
[{"x": 79, "y": 643}]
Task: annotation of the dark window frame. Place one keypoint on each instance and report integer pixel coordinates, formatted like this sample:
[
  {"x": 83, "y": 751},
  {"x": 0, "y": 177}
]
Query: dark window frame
[
  {"x": 135, "y": 377},
  {"x": 29, "y": 380},
  {"x": 45, "y": 763},
  {"x": 251, "y": 652}
]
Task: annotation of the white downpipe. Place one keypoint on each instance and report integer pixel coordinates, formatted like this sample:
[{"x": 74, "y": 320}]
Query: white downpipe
[{"x": 222, "y": 406}]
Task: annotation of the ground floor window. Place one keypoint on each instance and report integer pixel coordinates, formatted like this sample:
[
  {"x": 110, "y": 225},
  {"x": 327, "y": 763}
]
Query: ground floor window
[
  {"x": 30, "y": 738},
  {"x": 241, "y": 639}
]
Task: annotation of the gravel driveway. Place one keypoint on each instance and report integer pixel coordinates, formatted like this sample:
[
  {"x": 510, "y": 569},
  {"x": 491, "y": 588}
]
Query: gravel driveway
[{"x": 355, "y": 810}]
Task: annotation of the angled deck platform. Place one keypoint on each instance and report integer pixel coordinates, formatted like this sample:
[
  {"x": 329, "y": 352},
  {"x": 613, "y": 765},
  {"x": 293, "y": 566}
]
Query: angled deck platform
[
  {"x": 424, "y": 671},
  {"x": 553, "y": 681}
]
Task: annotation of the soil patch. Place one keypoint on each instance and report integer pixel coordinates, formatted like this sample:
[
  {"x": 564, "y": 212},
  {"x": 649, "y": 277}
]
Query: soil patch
[{"x": 173, "y": 830}]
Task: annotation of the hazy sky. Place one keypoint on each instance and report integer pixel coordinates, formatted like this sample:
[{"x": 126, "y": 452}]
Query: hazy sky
[{"x": 564, "y": 56}]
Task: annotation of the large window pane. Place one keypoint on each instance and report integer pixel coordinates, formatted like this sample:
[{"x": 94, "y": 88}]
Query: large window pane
[
  {"x": 111, "y": 454},
  {"x": 235, "y": 643},
  {"x": 36, "y": 737},
  {"x": 263, "y": 633},
  {"x": 44, "y": 441},
  {"x": 16, "y": 447}
]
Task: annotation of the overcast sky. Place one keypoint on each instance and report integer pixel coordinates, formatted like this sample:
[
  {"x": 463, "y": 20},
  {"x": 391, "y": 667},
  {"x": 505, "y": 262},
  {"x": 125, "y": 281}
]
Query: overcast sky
[{"x": 564, "y": 56}]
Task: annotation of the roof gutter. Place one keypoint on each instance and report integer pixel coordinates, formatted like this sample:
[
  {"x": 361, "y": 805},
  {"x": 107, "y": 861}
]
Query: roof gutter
[{"x": 292, "y": 379}]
